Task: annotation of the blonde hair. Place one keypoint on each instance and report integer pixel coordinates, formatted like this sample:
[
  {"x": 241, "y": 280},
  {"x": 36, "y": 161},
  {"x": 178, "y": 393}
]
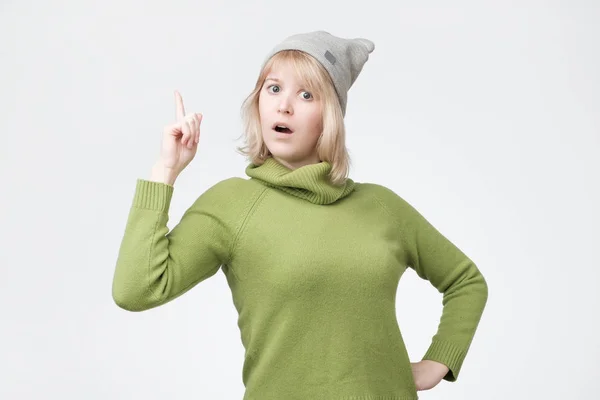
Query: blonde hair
[{"x": 331, "y": 146}]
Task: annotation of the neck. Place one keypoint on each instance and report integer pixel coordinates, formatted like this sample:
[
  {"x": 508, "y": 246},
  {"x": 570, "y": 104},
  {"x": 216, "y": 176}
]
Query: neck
[{"x": 293, "y": 165}]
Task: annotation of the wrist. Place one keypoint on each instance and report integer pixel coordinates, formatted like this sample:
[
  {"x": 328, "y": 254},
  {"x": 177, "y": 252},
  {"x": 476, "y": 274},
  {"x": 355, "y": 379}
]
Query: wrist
[{"x": 162, "y": 174}]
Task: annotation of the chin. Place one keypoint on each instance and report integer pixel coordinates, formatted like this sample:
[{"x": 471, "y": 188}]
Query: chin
[
  {"x": 288, "y": 152},
  {"x": 289, "y": 155}
]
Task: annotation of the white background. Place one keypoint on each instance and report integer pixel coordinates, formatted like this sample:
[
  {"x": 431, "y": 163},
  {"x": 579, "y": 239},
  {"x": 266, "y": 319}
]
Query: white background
[{"x": 484, "y": 115}]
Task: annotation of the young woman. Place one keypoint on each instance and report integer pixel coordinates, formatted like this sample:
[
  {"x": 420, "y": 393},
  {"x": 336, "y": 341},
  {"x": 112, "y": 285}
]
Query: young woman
[{"x": 313, "y": 259}]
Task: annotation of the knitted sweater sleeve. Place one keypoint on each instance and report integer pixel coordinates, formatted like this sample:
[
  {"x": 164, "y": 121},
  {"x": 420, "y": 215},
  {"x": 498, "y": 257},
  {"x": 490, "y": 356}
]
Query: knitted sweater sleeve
[
  {"x": 437, "y": 260},
  {"x": 154, "y": 266}
]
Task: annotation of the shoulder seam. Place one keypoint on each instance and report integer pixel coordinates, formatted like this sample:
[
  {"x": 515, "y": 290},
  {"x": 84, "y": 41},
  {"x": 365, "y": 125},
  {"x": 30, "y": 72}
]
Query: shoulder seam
[
  {"x": 382, "y": 204},
  {"x": 245, "y": 217},
  {"x": 401, "y": 232}
]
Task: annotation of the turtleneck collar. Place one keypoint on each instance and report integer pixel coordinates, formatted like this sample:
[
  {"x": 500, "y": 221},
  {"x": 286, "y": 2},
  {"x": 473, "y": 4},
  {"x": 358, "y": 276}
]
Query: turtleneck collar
[{"x": 310, "y": 182}]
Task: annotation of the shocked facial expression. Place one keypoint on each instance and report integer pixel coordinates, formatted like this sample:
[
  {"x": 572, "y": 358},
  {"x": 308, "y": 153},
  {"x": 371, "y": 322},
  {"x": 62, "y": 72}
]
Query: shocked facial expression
[{"x": 290, "y": 118}]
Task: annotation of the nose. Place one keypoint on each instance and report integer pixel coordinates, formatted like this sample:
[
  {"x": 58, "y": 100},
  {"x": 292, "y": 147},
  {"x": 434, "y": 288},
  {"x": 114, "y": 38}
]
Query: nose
[{"x": 285, "y": 106}]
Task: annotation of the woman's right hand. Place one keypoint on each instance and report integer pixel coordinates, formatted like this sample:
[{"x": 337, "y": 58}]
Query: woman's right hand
[{"x": 180, "y": 140}]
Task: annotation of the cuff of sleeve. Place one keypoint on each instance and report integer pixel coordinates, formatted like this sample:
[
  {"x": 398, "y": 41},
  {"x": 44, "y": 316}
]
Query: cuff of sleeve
[
  {"x": 152, "y": 195},
  {"x": 448, "y": 354}
]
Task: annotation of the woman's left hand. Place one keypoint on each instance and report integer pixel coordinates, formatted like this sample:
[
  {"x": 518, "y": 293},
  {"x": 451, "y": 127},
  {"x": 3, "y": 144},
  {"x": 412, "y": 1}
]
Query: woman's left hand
[{"x": 428, "y": 373}]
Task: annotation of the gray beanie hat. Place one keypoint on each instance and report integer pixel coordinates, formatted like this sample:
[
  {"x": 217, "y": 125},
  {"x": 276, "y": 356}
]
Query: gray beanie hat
[{"x": 342, "y": 58}]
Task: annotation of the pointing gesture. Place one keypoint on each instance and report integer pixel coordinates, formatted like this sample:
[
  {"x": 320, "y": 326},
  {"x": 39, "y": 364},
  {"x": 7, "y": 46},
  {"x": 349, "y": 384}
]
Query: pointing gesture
[
  {"x": 180, "y": 110},
  {"x": 180, "y": 140}
]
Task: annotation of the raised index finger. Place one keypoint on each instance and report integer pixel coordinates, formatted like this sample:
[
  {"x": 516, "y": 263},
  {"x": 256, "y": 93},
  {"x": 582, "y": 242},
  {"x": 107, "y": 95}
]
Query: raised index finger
[{"x": 179, "y": 110}]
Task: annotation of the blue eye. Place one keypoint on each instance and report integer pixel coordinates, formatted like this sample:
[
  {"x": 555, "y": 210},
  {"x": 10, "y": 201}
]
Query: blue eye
[
  {"x": 306, "y": 96},
  {"x": 275, "y": 86}
]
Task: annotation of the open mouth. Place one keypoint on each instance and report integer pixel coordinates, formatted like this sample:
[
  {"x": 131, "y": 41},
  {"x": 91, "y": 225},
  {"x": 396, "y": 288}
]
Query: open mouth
[{"x": 282, "y": 129}]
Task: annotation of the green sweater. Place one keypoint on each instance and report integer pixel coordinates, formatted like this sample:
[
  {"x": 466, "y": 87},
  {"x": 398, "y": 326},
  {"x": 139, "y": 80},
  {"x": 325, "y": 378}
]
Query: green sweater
[{"x": 313, "y": 269}]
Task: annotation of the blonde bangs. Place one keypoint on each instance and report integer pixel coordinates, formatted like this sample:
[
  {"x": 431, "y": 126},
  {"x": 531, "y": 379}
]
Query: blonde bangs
[{"x": 309, "y": 72}]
